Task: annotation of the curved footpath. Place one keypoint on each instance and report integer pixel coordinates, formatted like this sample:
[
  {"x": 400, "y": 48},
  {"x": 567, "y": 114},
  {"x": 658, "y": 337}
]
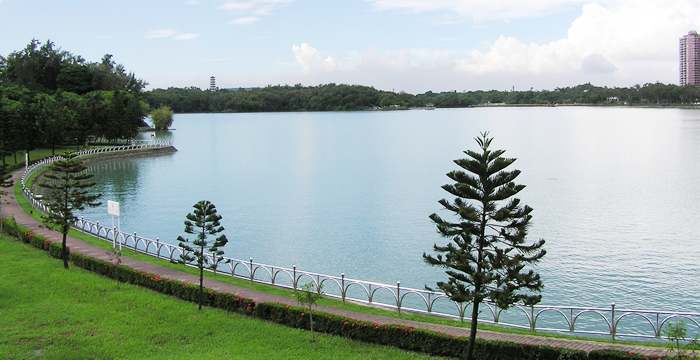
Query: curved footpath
[{"x": 10, "y": 207}]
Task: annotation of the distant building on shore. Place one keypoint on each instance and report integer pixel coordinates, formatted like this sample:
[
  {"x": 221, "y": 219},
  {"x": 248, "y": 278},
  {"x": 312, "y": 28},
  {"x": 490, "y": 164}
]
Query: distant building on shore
[
  {"x": 690, "y": 59},
  {"x": 212, "y": 84}
]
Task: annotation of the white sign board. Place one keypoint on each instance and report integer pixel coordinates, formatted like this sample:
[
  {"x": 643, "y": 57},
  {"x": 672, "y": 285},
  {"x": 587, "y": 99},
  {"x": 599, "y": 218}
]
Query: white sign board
[{"x": 113, "y": 207}]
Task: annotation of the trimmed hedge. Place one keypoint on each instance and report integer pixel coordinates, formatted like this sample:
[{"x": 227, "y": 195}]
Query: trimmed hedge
[
  {"x": 11, "y": 228},
  {"x": 408, "y": 338},
  {"x": 188, "y": 292},
  {"x": 617, "y": 354}
]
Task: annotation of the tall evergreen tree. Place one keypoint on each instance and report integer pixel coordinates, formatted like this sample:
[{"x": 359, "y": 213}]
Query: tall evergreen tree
[
  {"x": 68, "y": 192},
  {"x": 5, "y": 178},
  {"x": 487, "y": 253},
  {"x": 203, "y": 222}
]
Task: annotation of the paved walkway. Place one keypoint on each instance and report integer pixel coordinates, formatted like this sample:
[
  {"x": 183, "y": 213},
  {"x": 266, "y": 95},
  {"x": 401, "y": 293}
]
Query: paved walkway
[{"x": 10, "y": 206}]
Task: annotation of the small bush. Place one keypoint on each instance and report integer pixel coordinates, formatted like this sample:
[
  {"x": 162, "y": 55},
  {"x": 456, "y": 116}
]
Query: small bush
[{"x": 614, "y": 355}]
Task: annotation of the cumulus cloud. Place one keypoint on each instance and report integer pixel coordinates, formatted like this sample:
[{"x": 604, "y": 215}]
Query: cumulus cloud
[
  {"x": 188, "y": 36},
  {"x": 596, "y": 63},
  {"x": 310, "y": 60},
  {"x": 163, "y": 33},
  {"x": 244, "y": 20},
  {"x": 623, "y": 40},
  {"x": 615, "y": 43}
]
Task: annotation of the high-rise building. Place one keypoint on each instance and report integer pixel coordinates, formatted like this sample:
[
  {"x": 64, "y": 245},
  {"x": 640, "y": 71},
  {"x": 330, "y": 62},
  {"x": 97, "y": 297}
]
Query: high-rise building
[
  {"x": 690, "y": 59},
  {"x": 212, "y": 84}
]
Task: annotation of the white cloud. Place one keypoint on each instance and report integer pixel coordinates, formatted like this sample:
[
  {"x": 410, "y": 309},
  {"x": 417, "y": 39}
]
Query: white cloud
[
  {"x": 310, "y": 60},
  {"x": 192, "y": 2},
  {"x": 625, "y": 41},
  {"x": 163, "y": 33},
  {"x": 494, "y": 9},
  {"x": 244, "y": 20},
  {"x": 258, "y": 7},
  {"x": 596, "y": 63},
  {"x": 185, "y": 36},
  {"x": 618, "y": 43},
  {"x": 170, "y": 33}
]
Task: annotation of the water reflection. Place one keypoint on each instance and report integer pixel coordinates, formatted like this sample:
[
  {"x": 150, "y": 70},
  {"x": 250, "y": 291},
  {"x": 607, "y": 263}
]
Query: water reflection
[{"x": 614, "y": 193}]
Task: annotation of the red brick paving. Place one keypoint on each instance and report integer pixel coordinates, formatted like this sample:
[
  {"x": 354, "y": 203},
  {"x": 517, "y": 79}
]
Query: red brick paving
[{"x": 11, "y": 207}]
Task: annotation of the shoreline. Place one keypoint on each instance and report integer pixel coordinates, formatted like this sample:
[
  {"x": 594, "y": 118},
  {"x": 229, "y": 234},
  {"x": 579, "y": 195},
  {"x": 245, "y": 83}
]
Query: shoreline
[{"x": 500, "y": 105}]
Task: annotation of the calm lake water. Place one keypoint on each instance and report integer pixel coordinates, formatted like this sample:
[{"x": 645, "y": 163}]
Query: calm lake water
[{"x": 614, "y": 192}]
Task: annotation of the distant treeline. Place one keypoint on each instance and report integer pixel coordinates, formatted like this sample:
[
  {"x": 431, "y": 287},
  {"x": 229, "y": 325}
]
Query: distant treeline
[
  {"x": 50, "y": 97},
  {"x": 332, "y": 97}
]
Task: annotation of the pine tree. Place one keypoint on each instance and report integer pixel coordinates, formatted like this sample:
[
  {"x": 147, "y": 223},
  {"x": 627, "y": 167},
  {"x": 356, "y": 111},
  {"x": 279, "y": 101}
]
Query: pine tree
[
  {"x": 487, "y": 253},
  {"x": 68, "y": 193},
  {"x": 203, "y": 222}
]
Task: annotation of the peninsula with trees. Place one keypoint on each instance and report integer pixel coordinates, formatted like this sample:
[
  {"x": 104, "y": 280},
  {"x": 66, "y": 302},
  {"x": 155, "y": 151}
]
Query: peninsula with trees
[{"x": 340, "y": 97}]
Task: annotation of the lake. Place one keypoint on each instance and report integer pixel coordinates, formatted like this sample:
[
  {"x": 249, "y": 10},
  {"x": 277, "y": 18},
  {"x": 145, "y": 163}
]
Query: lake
[{"x": 614, "y": 192}]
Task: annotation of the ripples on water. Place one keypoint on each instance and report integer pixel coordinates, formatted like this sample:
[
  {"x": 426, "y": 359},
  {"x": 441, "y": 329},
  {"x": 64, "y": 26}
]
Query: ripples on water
[{"x": 614, "y": 192}]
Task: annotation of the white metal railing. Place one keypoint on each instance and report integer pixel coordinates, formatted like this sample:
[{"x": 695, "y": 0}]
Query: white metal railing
[
  {"x": 612, "y": 322},
  {"x": 36, "y": 200}
]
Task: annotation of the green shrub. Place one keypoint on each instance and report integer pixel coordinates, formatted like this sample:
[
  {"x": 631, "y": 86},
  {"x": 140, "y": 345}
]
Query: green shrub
[
  {"x": 409, "y": 338},
  {"x": 614, "y": 355}
]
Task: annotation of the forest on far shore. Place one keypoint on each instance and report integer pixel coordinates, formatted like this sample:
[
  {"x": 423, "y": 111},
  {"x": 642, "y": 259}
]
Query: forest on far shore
[
  {"x": 50, "y": 97},
  {"x": 332, "y": 97}
]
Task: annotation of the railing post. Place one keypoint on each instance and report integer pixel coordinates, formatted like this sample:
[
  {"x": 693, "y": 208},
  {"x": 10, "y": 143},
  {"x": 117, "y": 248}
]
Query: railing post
[
  {"x": 571, "y": 319},
  {"x": 294, "y": 277},
  {"x": 251, "y": 271},
  {"x": 135, "y": 243},
  {"x": 158, "y": 248},
  {"x": 398, "y": 296},
  {"x": 114, "y": 237},
  {"x": 613, "y": 325},
  {"x": 342, "y": 287},
  {"x": 658, "y": 330}
]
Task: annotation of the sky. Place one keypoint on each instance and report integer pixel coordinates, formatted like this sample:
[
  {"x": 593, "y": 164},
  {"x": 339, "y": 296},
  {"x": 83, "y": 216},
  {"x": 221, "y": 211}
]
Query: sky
[{"x": 397, "y": 45}]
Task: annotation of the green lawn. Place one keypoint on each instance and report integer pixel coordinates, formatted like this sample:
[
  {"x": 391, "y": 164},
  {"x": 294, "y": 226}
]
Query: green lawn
[
  {"x": 47, "y": 312},
  {"x": 35, "y": 154}
]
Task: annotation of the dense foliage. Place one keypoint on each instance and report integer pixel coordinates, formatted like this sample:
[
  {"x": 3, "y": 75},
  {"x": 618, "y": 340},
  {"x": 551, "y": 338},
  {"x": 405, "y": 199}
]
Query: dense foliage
[
  {"x": 50, "y": 97},
  {"x": 332, "y": 97},
  {"x": 162, "y": 118}
]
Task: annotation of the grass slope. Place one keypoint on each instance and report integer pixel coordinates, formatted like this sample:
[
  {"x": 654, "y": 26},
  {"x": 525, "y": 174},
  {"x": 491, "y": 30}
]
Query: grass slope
[{"x": 47, "y": 312}]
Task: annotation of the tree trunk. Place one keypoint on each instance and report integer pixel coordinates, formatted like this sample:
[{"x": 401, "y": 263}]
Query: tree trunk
[
  {"x": 201, "y": 285},
  {"x": 64, "y": 249},
  {"x": 472, "y": 333},
  {"x": 311, "y": 320}
]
